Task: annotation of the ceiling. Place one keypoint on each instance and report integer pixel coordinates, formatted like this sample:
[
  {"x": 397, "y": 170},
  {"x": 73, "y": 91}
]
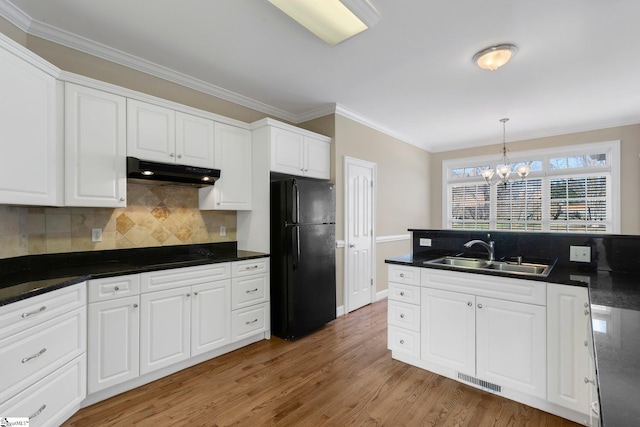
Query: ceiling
[{"x": 411, "y": 76}]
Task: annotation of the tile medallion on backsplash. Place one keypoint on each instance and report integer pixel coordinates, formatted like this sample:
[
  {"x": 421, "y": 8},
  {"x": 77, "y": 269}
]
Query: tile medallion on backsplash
[
  {"x": 161, "y": 212},
  {"x": 184, "y": 233},
  {"x": 161, "y": 234},
  {"x": 124, "y": 224}
]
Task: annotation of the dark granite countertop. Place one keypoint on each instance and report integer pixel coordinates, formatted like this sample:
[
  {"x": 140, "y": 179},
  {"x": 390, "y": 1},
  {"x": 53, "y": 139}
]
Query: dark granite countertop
[
  {"x": 615, "y": 312},
  {"x": 25, "y": 277}
]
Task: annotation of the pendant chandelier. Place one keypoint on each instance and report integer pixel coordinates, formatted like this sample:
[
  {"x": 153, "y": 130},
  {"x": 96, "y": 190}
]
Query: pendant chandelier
[{"x": 504, "y": 167}]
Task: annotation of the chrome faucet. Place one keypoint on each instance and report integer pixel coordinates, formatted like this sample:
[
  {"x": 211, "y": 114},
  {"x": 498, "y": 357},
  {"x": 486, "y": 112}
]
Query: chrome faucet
[{"x": 490, "y": 247}]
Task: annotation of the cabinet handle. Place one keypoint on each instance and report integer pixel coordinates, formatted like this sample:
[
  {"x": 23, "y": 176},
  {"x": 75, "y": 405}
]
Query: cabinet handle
[
  {"x": 195, "y": 293},
  {"x": 38, "y": 412},
  {"x": 401, "y": 274},
  {"x": 31, "y": 313},
  {"x": 218, "y": 203},
  {"x": 470, "y": 304},
  {"x": 253, "y": 267},
  {"x": 188, "y": 294},
  {"x": 401, "y": 341},
  {"x": 586, "y": 312},
  {"x": 116, "y": 288},
  {"x": 479, "y": 305},
  {"x": 179, "y": 156},
  {"x": 586, "y": 343},
  {"x": 586, "y": 305},
  {"x": 251, "y": 291},
  {"x": 402, "y": 316},
  {"x": 251, "y": 322},
  {"x": 122, "y": 199},
  {"x": 587, "y": 381},
  {"x": 135, "y": 305},
  {"x": 172, "y": 155},
  {"x": 401, "y": 293},
  {"x": 38, "y": 354}
]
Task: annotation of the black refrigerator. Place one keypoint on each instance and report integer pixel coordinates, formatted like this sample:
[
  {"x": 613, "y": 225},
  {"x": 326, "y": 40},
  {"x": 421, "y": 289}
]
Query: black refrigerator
[{"x": 303, "y": 270}]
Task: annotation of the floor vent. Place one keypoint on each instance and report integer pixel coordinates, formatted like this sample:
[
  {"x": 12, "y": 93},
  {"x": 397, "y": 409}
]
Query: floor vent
[{"x": 481, "y": 383}]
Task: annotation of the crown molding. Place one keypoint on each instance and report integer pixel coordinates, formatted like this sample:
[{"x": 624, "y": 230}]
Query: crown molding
[
  {"x": 16, "y": 16},
  {"x": 323, "y": 110}
]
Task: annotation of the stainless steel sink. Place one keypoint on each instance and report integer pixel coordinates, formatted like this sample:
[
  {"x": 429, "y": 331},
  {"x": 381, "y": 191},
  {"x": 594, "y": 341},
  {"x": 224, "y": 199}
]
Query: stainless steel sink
[{"x": 526, "y": 269}]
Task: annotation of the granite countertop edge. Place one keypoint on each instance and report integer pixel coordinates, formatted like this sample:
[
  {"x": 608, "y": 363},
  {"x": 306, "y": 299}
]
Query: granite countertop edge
[{"x": 17, "y": 286}]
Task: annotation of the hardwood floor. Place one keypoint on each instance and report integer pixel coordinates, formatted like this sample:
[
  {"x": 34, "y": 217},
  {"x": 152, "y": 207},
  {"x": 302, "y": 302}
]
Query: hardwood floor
[{"x": 341, "y": 375}]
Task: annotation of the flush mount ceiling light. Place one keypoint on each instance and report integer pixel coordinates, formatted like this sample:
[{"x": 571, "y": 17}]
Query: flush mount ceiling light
[
  {"x": 504, "y": 167},
  {"x": 494, "y": 57},
  {"x": 332, "y": 20}
]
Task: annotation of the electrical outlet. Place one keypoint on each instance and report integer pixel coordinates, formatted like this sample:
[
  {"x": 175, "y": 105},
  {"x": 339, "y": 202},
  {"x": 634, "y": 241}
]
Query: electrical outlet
[
  {"x": 223, "y": 230},
  {"x": 96, "y": 235},
  {"x": 580, "y": 253},
  {"x": 425, "y": 242}
]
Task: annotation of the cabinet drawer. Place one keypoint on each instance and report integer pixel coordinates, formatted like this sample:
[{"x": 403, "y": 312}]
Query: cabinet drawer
[
  {"x": 187, "y": 276},
  {"x": 404, "y": 275},
  {"x": 52, "y": 400},
  {"x": 110, "y": 288},
  {"x": 31, "y": 354},
  {"x": 505, "y": 288},
  {"x": 249, "y": 321},
  {"x": 400, "y": 340},
  {"x": 24, "y": 314},
  {"x": 404, "y": 315},
  {"x": 404, "y": 293},
  {"x": 248, "y": 291},
  {"x": 249, "y": 267}
]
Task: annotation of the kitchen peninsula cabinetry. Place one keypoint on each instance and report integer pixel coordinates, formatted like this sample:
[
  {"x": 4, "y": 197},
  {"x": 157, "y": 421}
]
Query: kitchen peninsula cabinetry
[
  {"x": 164, "y": 135},
  {"x": 489, "y": 329},
  {"x": 570, "y": 373},
  {"x": 113, "y": 322},
  {"x": 30, "y": 129},
  {"x": 95, "y": 148},
  {"x": 233, "y": 190},
  {"x": 404, "y": 310},
  {"x": 43, "y": 356}
]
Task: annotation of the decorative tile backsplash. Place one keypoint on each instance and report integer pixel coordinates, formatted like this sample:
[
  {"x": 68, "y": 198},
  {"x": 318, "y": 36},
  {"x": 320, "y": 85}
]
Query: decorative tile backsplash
[{"x": 156, "y": 215}]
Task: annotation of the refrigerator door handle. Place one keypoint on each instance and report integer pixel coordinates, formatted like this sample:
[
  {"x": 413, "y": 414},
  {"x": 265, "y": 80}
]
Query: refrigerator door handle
[
  {"x": 296, "y": 247},
  {"x": 296, "y": 203}
]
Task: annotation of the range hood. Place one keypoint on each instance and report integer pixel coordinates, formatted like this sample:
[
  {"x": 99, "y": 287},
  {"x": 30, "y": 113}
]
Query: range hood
[{"x": 144, "y": 171}]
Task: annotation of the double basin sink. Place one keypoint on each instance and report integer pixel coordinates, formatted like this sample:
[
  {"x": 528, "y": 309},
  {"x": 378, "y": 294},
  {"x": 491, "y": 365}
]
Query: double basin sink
[{"x": 478, "y": 264}]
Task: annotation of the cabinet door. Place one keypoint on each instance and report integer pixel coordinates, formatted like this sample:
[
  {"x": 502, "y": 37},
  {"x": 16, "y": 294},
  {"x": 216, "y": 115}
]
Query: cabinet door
[
  {"x": 211, "y": 316},
  {"x": 233, "y": 157},
  {"x": 567, "y": 346},
  {"x": 150, "y": 132},
  {"x": 511, "y": 345},
  {"x": 287, "y": 152},
  {"x": 317, "y": 161},
  {"x": 164, "y": 328},
  {"x": 448, "y": 329},
  {"x": 95, "y": 148},
  {"x": 29, "y": 134},
  {"x": 194, "y": 140},
  {"x": 113, "y": 353}
]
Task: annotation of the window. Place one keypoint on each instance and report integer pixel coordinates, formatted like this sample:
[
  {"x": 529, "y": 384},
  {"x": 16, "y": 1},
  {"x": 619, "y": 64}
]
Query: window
[{"x": 569, "y": 189}]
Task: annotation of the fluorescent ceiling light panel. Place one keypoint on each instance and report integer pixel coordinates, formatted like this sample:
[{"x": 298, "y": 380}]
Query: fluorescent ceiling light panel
[{"x": 330, "y": 20}]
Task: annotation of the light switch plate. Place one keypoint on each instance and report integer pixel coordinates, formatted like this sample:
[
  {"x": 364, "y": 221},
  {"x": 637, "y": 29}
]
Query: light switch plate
[
  {"x": 223, "y": 230},
  {"x": 425, "y": 242},
  {"x": 96, "y": 235},
  {"x": 580, "y": 253}
]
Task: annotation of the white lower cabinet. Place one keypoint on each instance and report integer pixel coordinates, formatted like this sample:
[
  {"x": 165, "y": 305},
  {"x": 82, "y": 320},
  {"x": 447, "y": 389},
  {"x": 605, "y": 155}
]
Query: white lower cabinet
[
  {"x": 250, "y": 309},
  {"x": 568, "y": 337},
  {"x": 404, "y": 317},
  {"x": 210, "y": 308}
]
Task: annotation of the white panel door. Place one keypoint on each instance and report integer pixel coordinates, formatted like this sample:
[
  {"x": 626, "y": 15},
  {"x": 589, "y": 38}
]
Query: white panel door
[
  {"x": 211, "y": 316},
  {"x": 287, "y": 151},
  {"x": 165, "y": 319},
  {"x": 317, "y": 162},
  {"x": 114, "y": 344},
  {"x": 95, "y": 148},
  {"x": 233, "y": 191},
  {"x": 567, "y": 350},
  {"x": 194, "y": 140},
  {"x": 150, "y": 132},
  {"x": 511, "y": 345},
  {"x": 359, "y": 265},
  {"x": 448, "y": 329},
  {"x": 28, "y": 135}
]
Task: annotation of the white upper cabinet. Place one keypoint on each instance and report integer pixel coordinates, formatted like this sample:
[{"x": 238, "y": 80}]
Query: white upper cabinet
[
  {"x": 31, "y": 161},
  {"x": 161, "y": 134},
  {"x": 298, "y": 153},
  {"x": 233, "y": 157},
  {"x": 95, "y": 148}
]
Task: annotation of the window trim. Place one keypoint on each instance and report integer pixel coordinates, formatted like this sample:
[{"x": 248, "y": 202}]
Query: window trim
[{"x": 613, "y": 168}]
